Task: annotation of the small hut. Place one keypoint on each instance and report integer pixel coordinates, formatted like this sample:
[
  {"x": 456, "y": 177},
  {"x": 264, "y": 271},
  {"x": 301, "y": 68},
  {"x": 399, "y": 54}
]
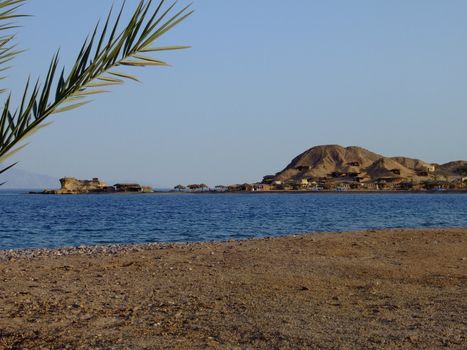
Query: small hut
[
  {"x": 128, "y": 187},
  {"x": 355, "y": 164},
  {"x": 193, "y": 187},
  {"x": 179, "y": 188}
]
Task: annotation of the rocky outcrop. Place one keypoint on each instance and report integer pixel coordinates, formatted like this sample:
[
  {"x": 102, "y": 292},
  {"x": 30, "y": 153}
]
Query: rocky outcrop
[{"x": 71, "y": 185}]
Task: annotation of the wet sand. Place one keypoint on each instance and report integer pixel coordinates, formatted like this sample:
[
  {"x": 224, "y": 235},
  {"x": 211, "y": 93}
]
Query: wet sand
[{"x": 386, "y": 289}]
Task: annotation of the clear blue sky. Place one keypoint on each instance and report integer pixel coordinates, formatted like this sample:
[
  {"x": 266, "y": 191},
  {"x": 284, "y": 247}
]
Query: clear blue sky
[{"x": 264, "y": 81}]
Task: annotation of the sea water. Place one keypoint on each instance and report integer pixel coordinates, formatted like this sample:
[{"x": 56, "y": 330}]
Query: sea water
[{"x": 28, "y": 221}]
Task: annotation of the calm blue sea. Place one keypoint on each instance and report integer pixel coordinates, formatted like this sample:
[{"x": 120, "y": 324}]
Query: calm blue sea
[{"x": 52, "y": 221}]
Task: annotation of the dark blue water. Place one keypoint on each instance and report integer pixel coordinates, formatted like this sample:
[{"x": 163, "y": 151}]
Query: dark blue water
[{"x": 51, "y": 221}]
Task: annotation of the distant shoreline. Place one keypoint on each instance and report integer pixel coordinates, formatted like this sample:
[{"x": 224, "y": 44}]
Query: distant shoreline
[{"x": 254, "y": 192}]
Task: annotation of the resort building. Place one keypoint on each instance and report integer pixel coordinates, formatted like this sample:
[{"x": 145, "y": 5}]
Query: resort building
[
  {"x": 262, "y": 187},
  {"x": 128, "y": 187}
]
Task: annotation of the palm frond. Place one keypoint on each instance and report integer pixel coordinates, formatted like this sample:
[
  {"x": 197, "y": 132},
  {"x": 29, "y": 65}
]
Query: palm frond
[
  {"x": 106, "y": 49},
  {"x": 8, "y": 49},
  {"x": 5, "y": 169}
]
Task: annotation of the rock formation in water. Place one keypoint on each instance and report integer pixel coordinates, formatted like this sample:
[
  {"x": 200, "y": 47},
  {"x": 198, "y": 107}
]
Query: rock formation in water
[{"x": 71, "y": 185}]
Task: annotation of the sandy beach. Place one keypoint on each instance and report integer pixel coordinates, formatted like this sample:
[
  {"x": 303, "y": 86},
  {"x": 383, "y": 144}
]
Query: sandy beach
[{"x": 398, "y": 288}]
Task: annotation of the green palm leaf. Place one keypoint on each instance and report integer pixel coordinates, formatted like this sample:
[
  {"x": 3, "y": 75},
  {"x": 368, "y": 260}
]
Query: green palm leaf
[
  {"x": 8, "y": 49},
  {"x": 112, "y": 46}
]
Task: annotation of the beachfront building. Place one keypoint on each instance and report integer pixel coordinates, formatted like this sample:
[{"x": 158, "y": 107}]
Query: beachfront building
[
  {"x": 406, "y": 186},
  {"x": 388, "y": 183},
  {"x": 371, "y": 186},
  {"x": 198, "y": 187},
  {"x": 262, "y": 187},
  {"x": 268, "y": 179},
  {"x": 147, "y": 189},
  {"x": 436, "y": 185},
  {"x": 241, "y": 188},
  {"x": 128, "y": 187}
]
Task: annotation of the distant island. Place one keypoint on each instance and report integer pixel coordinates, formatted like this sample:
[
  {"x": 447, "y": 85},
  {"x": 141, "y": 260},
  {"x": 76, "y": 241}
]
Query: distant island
[{"x": 71, "y": 185}]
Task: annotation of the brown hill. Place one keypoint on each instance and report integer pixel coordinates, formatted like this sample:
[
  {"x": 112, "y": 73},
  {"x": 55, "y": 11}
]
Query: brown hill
[
  {"x": 337, "y": 161},
  {"x": 411, "y": 163},
  {"x": 320, "y": 161},
  {"x": 456, "y": 168},
  {"x": 388, "y": 168}
]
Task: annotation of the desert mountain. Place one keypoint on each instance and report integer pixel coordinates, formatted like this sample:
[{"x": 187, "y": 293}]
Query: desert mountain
[
  {"x": 456, "y": 168},
  {"x": 21, "y": 179},
  {"x": 411, "y": 163},
  {"x": 389, "y": 168},
  {"x": 357, "y": 162},
  {"x": 321, "y": 161}
]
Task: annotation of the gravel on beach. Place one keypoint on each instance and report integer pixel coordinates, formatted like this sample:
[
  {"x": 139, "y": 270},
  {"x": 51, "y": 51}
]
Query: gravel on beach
[{"x": 378, "y": 289}]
